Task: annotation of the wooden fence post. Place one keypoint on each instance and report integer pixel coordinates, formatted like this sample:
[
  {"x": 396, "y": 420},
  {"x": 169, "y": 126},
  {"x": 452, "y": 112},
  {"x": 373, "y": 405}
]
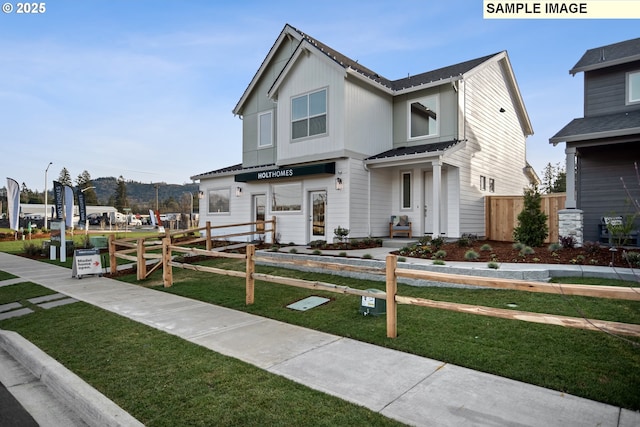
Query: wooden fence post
[
  {"x": 113, "y": 263},
  {"x": 392, "y": 290},
  {"x": 250, "y": 269},
  {"x": 142, "y": 263},
  {"x": 167, "y": 270},
  {"x": 273, "y": 230},
  {"x": 208, "y": 235}
]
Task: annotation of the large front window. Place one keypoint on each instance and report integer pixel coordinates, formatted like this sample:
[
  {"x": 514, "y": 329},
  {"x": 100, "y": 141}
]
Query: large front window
[
  {"x": 423, "y": 117},
  {"x": 633, "y": 87},
  {"x": 309, "y": 114},
  {"x": 286, "y": 197},
  {"x": 219, "y": 200}
]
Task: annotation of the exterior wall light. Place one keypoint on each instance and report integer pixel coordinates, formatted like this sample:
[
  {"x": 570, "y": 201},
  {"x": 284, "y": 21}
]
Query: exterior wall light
[
  {"x": 238, "y": 191},
  {"x": 339, "y": 185}
]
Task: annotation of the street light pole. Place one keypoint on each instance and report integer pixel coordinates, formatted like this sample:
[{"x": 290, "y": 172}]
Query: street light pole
[{"x": 46, "y": 171}]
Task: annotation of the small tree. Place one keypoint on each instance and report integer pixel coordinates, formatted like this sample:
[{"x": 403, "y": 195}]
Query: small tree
[{"x": 532, "y": 226}]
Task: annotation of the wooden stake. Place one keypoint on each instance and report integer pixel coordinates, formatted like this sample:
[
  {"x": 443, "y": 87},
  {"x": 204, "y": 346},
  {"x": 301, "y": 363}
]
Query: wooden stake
[
  {"x": 392, "y": 290},
  {"x": 251, "y": 268},
  {"x": 113, "y": 264},
  {"x": 167, "y": 270},
  {"x": 208, "y": 234},
  {"x": 141, "y": 261}
]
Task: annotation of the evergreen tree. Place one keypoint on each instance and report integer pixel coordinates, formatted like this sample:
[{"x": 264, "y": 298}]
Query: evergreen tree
[
  {"x": 85, "y": 183},
  {"x": 65, "y": 177},
  {"x": 554, "y": 179},
  {"x": 120, "y": 198},
  {"x": 532, "y": 226}
]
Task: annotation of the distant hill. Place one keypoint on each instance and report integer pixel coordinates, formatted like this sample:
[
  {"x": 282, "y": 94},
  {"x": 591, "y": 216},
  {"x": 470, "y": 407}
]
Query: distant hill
[{"x": 142, "y": 194}]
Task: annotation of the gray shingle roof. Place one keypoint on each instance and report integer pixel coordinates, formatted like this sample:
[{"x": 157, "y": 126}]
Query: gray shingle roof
[
  {"x": 609, "y": 125},
  {"x": 407, "y": 82},
  {"x": 416, "y": 149},
  {"x": 606, "y": 56}
]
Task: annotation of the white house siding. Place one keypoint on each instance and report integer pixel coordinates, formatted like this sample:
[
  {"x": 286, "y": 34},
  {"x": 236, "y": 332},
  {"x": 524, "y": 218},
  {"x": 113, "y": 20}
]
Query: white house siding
[
  {"x": 358, "y": 187},
  {"x": 258, "y": 102},
  {"x": 381, "y": 206},
  {"x": 368, "y": 119},
  {"x": 311, "y": 73},
  {"x": 495, "y": 144}
]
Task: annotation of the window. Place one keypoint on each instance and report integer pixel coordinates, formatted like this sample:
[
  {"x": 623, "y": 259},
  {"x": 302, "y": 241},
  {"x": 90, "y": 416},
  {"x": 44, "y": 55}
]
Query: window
[
  {"x": 406, "y": 190},
  {"x": 219, "y": 200},
  {"x": 309, "y": 114},
  {"x": 483, "y": 183},
  {"x": 423, "y": 117},
  {"x": 265, "y": 126},
  {"x": 633, "y": 87},
  {"x": 286, "y": 197},
  {"x": 492, "y": 185}
]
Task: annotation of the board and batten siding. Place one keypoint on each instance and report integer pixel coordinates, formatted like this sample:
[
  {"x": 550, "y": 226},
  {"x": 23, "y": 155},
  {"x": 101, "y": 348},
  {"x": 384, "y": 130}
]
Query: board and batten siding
[
  {"x": 381, "y": 202},
  {"x": 601, "y": 170},
  {"x": 357, "y": 182},
  {"x": 311, "y": 73}
]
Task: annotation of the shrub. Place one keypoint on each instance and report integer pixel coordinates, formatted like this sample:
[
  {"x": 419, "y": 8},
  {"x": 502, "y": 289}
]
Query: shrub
[
  {"x": 31, "y": 249},
  {"x": 527, "y": 250},
  {"x": 424, "y": 240},
  {"x": 532, "y": 226},
  {"x": 471, "y": 255},
  {"x": 591, "y": 248},
  {"x": 402, "y": 259},
  {"x": 518, "y": 246},
  {"x": 568, "y": 242},
  {"x": 342, "y": 254},
  {"x": 317, "y": 244},
  {"x": 493, "y": 265},
  {"x": 293, "y": 251},
  {"x": 464, "y": 242},
  {"x": 438, "y": 262},
  {"x": 274, "y": 248},
  {"x": 633, "y": 258},
  {"x": 367, "y": 256},
  {"x": 437, "y": 243},
  {"x": 554, "y": 247},
  {"x": 486, "y": 248},
  {"x": 441, "y": 254},
  {"x": 341, "y": 233},
  {"x": 317, "y": 252}
]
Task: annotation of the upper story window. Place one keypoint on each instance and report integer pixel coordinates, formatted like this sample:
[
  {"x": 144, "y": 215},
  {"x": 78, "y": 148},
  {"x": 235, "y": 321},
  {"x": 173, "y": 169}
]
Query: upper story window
[
  {"x": 265, "y": 129},
  {"x": 309, "y": 114},
  {"x": 423, "y": 117},
  {"x": 633, "y": 87}
]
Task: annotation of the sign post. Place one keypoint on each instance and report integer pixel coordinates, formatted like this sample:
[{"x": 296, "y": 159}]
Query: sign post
[
  {"x": 58, "y": 240},
  {"x": 86, "y": 261}
]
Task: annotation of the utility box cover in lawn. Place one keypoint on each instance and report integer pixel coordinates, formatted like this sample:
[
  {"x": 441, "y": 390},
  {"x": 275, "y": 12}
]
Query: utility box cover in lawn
[{"x": 370, "y": 306}]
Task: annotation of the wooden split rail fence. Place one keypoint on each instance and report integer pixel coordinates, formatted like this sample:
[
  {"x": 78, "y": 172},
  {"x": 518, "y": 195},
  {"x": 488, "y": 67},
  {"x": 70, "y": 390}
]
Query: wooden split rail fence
[{"x": 392, "y": 272}]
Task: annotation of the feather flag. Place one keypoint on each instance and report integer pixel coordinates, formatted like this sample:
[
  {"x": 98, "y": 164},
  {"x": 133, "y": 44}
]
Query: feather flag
[{"x": 13, "y": 203}]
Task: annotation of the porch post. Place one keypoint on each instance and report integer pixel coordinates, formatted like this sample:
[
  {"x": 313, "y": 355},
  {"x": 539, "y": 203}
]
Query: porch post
[
  {"x": 570, "y": 153},
  {"x": 435, "y": 203}
]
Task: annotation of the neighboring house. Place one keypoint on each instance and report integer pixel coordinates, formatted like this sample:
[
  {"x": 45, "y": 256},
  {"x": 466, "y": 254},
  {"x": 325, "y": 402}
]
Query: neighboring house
[
  {"x": 602, "y": 146},
  {"x": 327, "y": 143}
]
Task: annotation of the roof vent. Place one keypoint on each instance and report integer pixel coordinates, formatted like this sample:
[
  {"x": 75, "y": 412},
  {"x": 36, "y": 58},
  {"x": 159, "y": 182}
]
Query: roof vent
[{"x": 602, "y": 58}]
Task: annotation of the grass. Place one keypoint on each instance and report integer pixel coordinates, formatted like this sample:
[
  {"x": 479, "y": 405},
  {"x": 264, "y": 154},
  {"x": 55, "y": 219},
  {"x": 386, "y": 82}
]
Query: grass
[
  {"x": 585, "y": 363},
  {"x": 590, "y": 364},
  {"x": 163, "y": 380}
]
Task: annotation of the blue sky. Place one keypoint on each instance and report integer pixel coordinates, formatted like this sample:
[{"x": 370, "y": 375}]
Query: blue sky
[{"x": 145, "y": 89}]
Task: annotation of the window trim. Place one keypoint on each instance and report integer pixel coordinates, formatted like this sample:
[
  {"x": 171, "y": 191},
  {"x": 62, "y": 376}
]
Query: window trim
[
  {"x": 410, "y": 102},
  {"x": 228, "y": 211},
  {"x": 483, "y": 183},
  {"x": 630, "y": 74},
  {"x": 403, "y": 206},
  {"x": 308, "y": 117},
  {"x": 260, "y": 116}
]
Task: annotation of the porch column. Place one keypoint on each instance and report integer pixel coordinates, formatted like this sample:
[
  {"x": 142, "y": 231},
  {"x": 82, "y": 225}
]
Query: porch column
[
  {"x": 437, "y": 175},
  {"x": 570, "y": 153}
]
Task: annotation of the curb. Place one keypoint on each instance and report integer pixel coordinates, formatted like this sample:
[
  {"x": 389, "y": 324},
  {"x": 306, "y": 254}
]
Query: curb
[{"x": 89, "y": 404}]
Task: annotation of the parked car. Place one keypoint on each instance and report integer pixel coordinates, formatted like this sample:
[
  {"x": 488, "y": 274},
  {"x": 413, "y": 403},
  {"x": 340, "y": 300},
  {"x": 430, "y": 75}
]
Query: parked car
[{"x": 134, "y": 221}]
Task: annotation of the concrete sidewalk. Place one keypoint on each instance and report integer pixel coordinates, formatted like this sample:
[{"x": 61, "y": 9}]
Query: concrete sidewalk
[{"x": 408, "y": 388}]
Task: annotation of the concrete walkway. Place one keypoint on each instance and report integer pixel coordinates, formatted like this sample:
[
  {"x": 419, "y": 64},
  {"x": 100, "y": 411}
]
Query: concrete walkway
[{"x": 411, "y": 389}]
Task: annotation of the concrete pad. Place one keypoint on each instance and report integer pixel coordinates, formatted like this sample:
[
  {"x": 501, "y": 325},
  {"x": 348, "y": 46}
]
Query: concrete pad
[
  {"x": 265, "y": 343},
  {"x": 10, "y": 282},
  {"x": 15, "y": 313},
  {"x": 456, "y": 396},
  {"x": 46, "y": 298},
  {"x": 10, "y": 306},
  {"x": 362, "y": 373},
  {"x": 57, "y": 303},
  {"x": 629, "y": 418}
]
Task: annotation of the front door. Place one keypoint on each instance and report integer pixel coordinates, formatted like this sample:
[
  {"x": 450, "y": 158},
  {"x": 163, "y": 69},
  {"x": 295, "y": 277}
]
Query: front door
[
  {"x": 317, "y": 208},
  {"x": 259, "y": 211}
]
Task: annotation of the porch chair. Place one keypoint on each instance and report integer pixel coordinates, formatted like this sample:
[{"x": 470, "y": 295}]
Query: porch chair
[{"x": 399, "y": 225}]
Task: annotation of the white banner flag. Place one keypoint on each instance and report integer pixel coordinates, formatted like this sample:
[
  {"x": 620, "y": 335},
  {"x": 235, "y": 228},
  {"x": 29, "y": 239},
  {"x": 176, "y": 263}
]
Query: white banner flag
[
  {"x": 13, "y": 203},
  {"x": 68, "y": 204}
]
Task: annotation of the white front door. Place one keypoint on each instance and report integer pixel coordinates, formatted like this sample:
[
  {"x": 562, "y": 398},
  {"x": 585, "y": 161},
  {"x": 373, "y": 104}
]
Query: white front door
[{"x": 317, "y": 211}]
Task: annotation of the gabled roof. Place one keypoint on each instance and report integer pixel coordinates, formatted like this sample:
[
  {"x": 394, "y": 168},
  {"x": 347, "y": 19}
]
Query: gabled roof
[
  {"x": 607, "y": 56},
  {"x": 598, "y": 127}
]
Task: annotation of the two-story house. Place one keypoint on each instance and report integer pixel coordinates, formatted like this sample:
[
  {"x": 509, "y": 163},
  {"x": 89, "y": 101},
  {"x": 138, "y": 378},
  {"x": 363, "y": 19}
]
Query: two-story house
[
  {"x": 328, "y": 142},
  {"x": 602, "y": 146}
]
